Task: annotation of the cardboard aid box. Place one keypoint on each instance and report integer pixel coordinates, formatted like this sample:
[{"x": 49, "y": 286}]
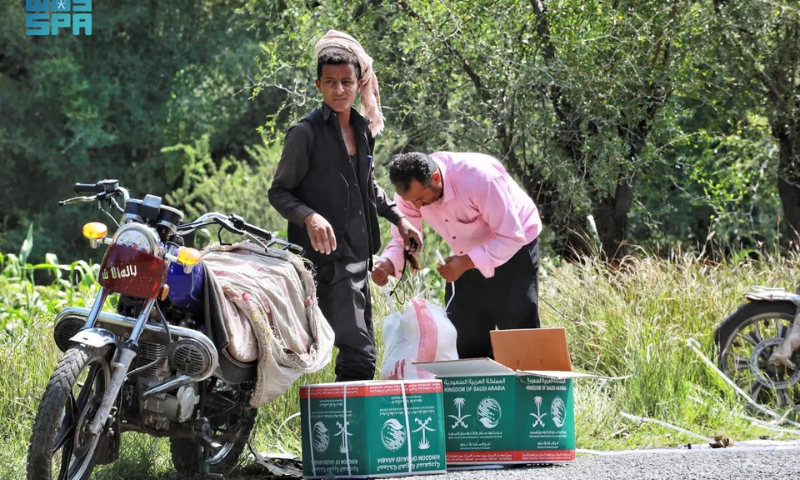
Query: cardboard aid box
[
  {"x": 372, "y": 429},
  {"x": 517, "y": 409}
]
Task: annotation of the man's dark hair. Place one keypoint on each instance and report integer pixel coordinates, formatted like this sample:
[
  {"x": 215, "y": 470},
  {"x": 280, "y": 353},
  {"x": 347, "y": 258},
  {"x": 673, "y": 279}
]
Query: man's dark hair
[
  {"x": 338, "y": 57},
  {"x": 406, "y": 167}
]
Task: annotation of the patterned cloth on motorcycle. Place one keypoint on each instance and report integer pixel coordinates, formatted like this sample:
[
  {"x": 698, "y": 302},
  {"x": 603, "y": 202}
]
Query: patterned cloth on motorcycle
[{"x": 270, "y": 311}]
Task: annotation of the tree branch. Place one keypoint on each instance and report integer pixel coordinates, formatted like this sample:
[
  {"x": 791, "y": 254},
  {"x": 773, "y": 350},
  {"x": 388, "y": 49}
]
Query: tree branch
[
  {"x": 570, "y": 138},
  {"x": 482, "y": 91}
]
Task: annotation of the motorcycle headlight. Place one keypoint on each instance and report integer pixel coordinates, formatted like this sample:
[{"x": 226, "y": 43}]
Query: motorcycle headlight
[{"x": 138, "y": 237}]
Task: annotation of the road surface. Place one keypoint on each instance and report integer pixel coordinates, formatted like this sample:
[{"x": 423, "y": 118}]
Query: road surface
[{"x": 716, "y": 464}]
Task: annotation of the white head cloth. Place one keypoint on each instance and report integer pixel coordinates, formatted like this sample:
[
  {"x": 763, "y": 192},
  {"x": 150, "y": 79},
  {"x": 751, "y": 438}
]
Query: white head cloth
[{"x": 368, "y": 85}]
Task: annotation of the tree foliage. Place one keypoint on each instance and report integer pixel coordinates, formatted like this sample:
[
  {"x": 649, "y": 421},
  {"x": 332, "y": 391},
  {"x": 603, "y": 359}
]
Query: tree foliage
[
  {"x": 758, "y": 44},
  {"x": 564, "y": 93},
  {"x": 79, "y": 109},
  {"x": 656, "y": 124}
]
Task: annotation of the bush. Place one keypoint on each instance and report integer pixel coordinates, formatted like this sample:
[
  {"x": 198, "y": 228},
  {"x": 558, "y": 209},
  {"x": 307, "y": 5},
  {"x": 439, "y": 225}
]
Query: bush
[{"x": 235, "y": 186}]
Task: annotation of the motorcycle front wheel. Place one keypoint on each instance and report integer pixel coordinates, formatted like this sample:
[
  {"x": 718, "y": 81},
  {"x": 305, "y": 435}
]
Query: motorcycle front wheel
[
  {"x": 746, "y": 340},
  {"x": 60, "y": 431}
]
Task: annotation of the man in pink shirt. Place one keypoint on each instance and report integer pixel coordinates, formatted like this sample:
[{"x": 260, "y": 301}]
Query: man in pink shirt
[{"x": 491, "y": 226}]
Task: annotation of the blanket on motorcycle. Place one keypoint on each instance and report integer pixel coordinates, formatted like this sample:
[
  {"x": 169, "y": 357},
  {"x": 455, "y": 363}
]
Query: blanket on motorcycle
[{"x": 269, "y": 308}]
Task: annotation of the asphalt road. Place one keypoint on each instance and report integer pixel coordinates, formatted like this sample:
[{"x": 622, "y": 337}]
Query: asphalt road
[{"x": 716, "y": 464}]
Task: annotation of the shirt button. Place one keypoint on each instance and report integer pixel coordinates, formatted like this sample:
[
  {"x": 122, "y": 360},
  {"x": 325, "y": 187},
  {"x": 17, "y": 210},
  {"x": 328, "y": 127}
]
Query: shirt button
[
  {"x": 359, "y": 212},
  {"x": 446, "y": 220},
  {"x": 454, "y": 238},
  {"x": 363, "y": 231},
  {"x": 461, "y": 252}
]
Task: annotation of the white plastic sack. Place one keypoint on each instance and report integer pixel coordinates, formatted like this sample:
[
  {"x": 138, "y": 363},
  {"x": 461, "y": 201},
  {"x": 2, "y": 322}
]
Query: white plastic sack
[{"x": 421, "y": 333}]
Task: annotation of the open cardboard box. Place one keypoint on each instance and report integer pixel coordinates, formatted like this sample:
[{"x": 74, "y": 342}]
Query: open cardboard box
[{"x": 515, "y": 409}]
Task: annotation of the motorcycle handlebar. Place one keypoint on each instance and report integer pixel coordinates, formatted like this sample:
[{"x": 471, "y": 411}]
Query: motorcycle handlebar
[
  {"x": 236, "y": 224},
  {"x": 108, "y": 189},
  {"x": 72, "y": 201},
  {"x": 240, "y": 224},
  {"x": 88, "y": 188}
]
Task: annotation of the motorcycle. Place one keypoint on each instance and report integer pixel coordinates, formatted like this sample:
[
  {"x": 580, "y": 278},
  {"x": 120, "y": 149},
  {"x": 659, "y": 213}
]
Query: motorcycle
[
  {"x": 758, "y": 348},
  {"x": 151, "y": 367}
]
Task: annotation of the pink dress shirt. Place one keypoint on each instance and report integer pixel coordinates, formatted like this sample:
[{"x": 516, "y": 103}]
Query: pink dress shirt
[{"x": 483, "y": 213}]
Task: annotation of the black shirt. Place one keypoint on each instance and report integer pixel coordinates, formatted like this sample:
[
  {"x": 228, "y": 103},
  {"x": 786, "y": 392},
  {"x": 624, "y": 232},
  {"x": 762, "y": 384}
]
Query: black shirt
[
  {"x": 316, "y": 174},
  {"x": 356, "y": 244}
]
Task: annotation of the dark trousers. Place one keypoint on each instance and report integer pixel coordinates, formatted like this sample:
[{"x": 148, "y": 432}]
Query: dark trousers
[
  {"x": 508, "y": 300},
  {"x": 344, "y": 298}
]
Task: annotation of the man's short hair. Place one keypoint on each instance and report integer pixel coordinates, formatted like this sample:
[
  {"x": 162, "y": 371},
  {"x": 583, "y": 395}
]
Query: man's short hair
[
  {"x": 338, "y": 57},
  {"x": 406, "y": 167}
]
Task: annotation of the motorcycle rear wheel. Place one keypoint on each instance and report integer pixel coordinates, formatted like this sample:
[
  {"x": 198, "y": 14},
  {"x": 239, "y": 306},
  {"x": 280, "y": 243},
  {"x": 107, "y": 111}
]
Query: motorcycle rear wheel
[
  {"x": 187, "y": 455},
  {"x": 746, "y": 339},
  {"x": 62, "y": 421}
]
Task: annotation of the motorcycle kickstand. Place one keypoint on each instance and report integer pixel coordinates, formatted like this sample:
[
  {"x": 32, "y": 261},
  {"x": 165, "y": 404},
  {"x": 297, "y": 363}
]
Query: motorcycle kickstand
[
  {"x": 207, "y": 442},
  {"x": 206, "y": 473}
]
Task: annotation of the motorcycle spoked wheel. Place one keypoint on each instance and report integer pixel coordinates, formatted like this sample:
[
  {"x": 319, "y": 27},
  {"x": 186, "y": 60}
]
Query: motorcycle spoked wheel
[
  {"x": 60, "y": 431},
  {"x": 746, "y": 339},
  {"x": 188, "y": 455}
]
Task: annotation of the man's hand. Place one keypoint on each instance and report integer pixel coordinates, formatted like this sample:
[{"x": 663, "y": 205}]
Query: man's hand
[
  {"x": 454, "y": 267},
  {"x": 321, "y": 233},
  {"x": 407, "y": 231},
  {"x": 381, "y": 271}
]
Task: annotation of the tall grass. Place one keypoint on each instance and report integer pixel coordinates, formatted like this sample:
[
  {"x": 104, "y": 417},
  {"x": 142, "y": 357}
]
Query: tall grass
[
  {"x": 22, "y": 296},
  {"x": 633, "y": 322}
]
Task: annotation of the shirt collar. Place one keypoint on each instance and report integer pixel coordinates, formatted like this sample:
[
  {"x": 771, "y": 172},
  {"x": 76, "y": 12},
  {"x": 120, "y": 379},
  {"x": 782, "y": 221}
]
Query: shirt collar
[
  {"x": 358, "y": 121},
  {"x": 447, "y": 186}
]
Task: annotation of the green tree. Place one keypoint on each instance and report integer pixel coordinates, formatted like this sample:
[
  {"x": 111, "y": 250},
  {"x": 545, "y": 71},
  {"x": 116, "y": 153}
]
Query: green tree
[
  {"x": 79, "y": 109},
  {"x": 757, "y": 51},
  {"x": 564, "y": 95}
]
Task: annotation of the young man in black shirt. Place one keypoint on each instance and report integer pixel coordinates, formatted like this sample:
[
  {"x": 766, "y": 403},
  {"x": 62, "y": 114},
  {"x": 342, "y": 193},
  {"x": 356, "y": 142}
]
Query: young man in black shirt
[{"x": 324, "y": 187}]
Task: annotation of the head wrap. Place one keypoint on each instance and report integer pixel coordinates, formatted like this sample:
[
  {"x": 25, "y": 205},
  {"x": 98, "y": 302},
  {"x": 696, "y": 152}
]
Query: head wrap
[{"x": 367, "y": 85}]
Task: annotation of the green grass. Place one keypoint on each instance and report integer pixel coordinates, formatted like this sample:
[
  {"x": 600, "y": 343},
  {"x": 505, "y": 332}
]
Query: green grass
[{"x": 635, "y": 322}]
